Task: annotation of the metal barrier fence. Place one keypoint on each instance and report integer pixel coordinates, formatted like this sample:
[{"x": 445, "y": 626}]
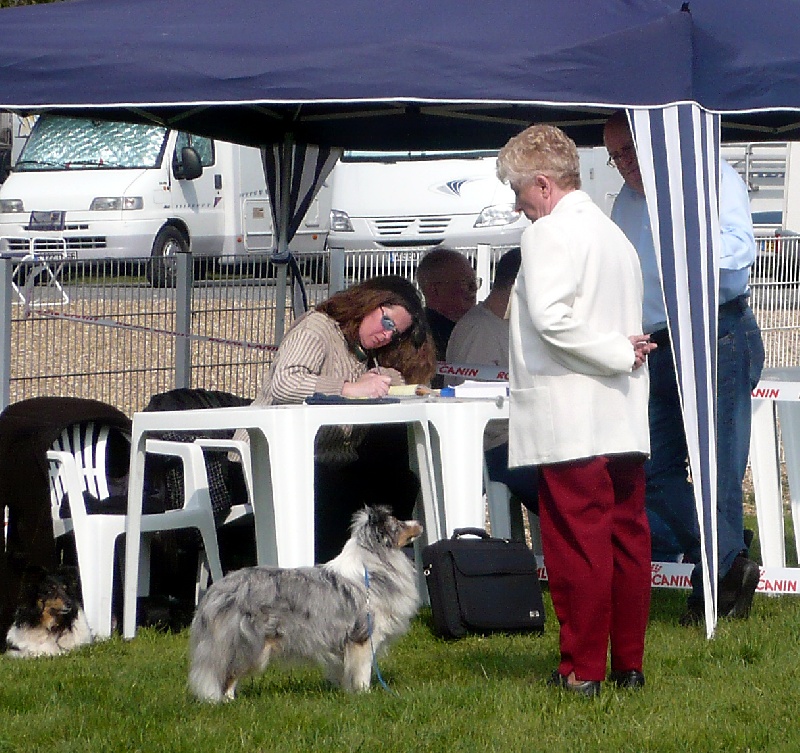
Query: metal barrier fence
[
  {"x": 775, "y": 298},
  {"x": 101, "y": 331},
  {"x": 92, "y": 330}
]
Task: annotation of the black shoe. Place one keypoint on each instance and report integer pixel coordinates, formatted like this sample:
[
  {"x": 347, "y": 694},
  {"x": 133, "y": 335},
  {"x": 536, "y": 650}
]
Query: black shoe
[
  {"x": 631, "y": 679},
  {"x": 736, "y": 589},
  {"x": 734, "y": 596},
  {"x": 586, "y": 688}
]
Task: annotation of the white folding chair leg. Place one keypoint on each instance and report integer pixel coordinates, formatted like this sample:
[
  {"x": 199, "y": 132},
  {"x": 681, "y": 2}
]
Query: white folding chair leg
[
  {"x": 97, "y": 584},
  {"x": 197, "y": 498},
  {"x": 211, "y": 547}
]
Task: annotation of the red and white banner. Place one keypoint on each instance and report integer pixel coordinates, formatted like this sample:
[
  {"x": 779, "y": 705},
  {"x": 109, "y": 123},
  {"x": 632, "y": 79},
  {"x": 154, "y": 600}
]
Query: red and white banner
[
  {"x": 773, "y": 390},
  {"x": 774, "y": 580},
  {"x": 473, "y": 371}
]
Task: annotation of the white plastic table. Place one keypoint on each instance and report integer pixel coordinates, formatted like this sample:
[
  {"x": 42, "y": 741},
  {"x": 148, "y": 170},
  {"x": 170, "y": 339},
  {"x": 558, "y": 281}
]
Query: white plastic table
[{"x": 282, "y": 455}]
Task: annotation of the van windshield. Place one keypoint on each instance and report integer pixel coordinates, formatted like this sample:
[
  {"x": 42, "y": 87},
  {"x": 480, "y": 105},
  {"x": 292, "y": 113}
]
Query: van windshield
[
  {"x": 60, "y": 143},
  {"x": 367, "y": 156}
]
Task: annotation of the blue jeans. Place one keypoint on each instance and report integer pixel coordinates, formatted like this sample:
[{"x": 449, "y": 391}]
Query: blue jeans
[{"x": 669, "y": 493}]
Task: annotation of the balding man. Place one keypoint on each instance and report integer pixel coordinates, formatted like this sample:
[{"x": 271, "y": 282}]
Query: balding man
[{"x": 450, "y": 287}]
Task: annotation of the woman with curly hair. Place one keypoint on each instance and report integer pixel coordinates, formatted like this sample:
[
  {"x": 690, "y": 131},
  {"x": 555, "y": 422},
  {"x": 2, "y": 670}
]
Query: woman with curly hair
[{"x": 355, "y": 344}]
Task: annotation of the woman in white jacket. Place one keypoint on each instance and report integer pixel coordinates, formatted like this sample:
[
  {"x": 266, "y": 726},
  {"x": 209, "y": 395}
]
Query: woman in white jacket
[{"x": 579, "y": 410}]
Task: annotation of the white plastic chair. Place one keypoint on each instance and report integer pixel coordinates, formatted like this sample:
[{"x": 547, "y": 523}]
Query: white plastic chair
[
  {"x": 77, "y": 464},
  {"x": 242, "y": 449},
  {"x": 502, "y": 510}
]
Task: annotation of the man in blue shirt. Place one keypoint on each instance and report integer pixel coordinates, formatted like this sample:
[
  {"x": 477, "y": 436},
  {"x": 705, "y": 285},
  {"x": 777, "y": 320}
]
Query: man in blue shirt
[{"x": 740, "y": 351}]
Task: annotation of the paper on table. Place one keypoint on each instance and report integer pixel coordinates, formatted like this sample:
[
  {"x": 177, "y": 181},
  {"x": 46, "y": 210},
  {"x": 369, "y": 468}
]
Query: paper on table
[
  {"x": 482, "y": 389},
  {"x": 411, "y": 390},
  {"x": 398, "y": 390}
]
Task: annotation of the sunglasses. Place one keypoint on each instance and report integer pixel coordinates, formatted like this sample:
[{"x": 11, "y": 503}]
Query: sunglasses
[{"x": 388, "y": 323}]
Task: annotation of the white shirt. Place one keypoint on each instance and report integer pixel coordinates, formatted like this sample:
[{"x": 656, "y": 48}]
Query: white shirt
[{"x": 481, "y": 337}]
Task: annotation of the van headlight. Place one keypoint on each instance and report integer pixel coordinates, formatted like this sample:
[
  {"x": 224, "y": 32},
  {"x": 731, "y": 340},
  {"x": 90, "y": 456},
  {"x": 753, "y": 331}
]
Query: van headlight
[
  {"x": 11, "y": 206},
  {"x": 340, "y": 222},
  {"x": 498, "y": 214},
  {"x": 115, "y": 203}
]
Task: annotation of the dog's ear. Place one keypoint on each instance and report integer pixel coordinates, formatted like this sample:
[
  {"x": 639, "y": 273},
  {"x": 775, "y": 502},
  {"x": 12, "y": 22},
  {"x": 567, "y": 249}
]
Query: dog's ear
[
  {"x": 70, "y": 578},
  {"x": 28, "y": 609},
  {"x": 378, "y": 514}
]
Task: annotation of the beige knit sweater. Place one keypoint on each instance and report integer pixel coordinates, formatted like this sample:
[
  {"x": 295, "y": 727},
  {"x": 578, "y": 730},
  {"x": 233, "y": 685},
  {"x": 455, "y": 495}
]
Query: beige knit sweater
[{"x": 314, "y": 357}]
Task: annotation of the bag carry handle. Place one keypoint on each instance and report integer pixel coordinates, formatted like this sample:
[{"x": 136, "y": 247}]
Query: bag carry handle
[{"x": 458, "y": 532}]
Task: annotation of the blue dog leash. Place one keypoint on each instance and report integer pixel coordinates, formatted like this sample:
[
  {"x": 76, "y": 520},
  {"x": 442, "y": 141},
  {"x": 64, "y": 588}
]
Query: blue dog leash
[{"x": 371, "y": 645}]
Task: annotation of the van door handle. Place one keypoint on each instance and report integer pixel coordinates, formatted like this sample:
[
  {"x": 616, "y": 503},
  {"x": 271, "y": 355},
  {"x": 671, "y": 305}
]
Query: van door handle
[{"x": 218, "y": 182}]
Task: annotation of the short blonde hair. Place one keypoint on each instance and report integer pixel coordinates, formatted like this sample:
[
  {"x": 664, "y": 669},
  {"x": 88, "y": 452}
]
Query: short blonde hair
[{"x": 540, "y": 150}]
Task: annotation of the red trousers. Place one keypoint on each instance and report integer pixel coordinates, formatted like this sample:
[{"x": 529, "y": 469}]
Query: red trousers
[{"x": 596, "y": 544}]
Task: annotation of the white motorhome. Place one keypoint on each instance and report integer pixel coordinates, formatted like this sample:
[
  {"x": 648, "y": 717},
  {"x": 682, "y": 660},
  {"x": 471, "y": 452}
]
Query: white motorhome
[
  {"x": 89, "y": 189},
  {"x": 406, "y": 200}
]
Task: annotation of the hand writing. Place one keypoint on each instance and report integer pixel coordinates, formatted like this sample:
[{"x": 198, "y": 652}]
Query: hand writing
[{"x": 370, "y": 384}]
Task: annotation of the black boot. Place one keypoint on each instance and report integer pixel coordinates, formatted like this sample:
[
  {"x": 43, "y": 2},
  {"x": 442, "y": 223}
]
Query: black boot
[
  {"x": 734, "y": 594},
  {"x": 736, "y": 589}
]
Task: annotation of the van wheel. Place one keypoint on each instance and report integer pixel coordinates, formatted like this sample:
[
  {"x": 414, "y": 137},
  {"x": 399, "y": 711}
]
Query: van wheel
[{"x": 162, "y": 268}]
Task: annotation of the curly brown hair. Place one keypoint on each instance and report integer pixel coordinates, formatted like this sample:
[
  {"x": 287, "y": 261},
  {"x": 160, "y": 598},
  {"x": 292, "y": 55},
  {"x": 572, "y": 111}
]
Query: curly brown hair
[{"x": 413, "y": 353}]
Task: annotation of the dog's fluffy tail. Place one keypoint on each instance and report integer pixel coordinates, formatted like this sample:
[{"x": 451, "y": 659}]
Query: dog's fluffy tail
[{"x": 223, "y": 647}]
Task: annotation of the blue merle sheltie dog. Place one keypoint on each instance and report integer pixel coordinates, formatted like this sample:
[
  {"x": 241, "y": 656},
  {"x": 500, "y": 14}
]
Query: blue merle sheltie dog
[{"x": 336, "y": 614}]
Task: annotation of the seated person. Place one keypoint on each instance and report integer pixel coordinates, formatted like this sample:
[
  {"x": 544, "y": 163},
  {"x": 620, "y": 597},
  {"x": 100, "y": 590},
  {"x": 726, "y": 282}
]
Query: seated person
[
  {"x": 355, "y": 344},
  {"x": 450, "y": 288},
  {"x": 481, "y": 337}
]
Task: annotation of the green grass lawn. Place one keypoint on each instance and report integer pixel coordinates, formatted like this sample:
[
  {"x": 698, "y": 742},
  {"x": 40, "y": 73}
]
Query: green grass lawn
[{"x": 738, "y": 692}]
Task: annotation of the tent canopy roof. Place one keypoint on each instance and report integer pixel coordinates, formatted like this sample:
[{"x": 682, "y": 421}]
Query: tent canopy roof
[{"x": 401, "y": 73}]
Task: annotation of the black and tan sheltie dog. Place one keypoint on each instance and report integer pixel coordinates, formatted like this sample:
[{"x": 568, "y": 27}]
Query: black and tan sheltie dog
[
  {"x": 49, "y": 619},
  {"x": 336, "y": 614}
]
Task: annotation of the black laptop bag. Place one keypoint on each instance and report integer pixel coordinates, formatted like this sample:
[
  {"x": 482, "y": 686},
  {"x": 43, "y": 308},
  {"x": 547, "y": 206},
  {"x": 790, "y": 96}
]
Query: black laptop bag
[{"x": 478, "y": 584}]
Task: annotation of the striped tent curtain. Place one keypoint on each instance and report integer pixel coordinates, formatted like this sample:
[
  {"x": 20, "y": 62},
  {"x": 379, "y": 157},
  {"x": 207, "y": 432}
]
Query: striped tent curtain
[
  {"x": 294, "y": 173},
  {"x": 678, "y": 151}
]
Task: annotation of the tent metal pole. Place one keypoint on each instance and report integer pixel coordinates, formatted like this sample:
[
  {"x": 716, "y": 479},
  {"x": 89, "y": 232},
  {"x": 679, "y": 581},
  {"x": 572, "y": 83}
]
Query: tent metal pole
[
  {"x": 283, "y": 237},
  {"x": 6, "y": 295}
]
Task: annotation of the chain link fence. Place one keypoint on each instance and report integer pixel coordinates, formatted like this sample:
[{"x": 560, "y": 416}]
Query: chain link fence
[{"x": 101, "y": 331}]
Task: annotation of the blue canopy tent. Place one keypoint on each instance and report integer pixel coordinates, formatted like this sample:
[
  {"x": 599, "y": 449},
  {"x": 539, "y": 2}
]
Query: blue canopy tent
[{"x": 412, "y": 74}]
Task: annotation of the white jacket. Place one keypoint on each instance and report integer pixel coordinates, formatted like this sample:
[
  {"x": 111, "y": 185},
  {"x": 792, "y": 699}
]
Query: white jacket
[{"x": 577, "y": 299}]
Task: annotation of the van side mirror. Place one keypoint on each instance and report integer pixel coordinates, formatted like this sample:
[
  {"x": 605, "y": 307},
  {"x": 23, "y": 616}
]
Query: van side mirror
[{"x": 189, "y": 166}]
